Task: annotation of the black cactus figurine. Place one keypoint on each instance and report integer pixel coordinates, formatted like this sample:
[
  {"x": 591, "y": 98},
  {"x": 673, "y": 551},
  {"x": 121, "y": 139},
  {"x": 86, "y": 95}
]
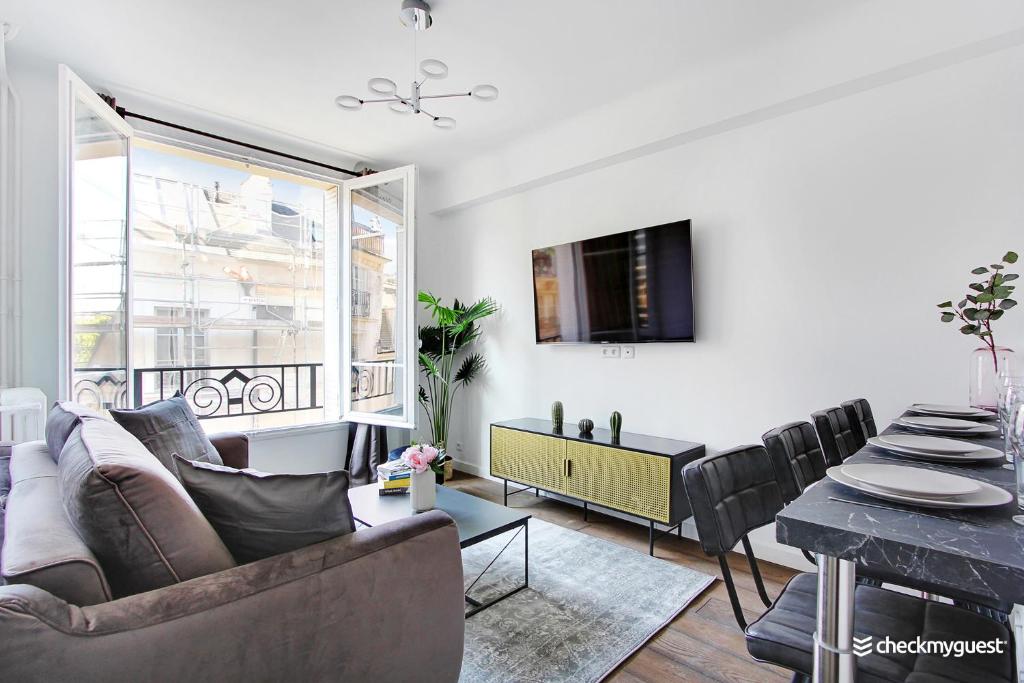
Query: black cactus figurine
[
  {"x": 586, "y": 426},
  {"x": 556, "y": 416},
  {"x": 616, "y": 425}
]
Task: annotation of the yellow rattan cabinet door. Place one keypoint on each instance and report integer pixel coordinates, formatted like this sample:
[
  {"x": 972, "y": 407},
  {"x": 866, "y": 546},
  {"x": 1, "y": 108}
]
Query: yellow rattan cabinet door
[
  {"x": 632, "y": 482},
  {"x": 528, "y": 458}
]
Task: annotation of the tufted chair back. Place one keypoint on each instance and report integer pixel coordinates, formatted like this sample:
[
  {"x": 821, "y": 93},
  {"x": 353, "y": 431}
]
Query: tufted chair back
[
  {"x": 837, "y": 436},
  {"x": 858, "y": 412},
  {"x": 731, "y": 493},
  {"x": 797, "y": 457}
]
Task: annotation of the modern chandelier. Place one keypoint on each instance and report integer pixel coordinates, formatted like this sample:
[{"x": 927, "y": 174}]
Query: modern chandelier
[{"x": 415, "y": 14}]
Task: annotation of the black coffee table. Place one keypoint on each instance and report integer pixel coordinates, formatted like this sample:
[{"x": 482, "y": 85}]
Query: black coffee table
[{"x": 476, "y": 519}]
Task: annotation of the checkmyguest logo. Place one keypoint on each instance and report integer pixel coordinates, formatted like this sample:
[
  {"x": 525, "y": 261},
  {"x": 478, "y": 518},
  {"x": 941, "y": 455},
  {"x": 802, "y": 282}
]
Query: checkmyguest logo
[{"x": 865, "y": 645}]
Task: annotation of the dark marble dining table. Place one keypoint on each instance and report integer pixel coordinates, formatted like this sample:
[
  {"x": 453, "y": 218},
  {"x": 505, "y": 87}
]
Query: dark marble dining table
[{"x": 978, "y": 552}]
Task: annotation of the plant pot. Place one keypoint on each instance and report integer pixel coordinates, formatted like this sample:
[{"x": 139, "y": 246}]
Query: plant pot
[
  {"x": 449, "y": 469},
  {"x": 423, "y": 491},
  {"x": 985, "y": 382}
]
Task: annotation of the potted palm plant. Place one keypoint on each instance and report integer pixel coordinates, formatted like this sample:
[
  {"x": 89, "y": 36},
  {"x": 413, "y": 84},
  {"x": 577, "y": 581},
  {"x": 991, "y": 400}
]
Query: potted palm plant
[{"x": 442, "y": 345}]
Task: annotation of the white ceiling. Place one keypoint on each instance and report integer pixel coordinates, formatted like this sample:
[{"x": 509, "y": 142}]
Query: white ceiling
[{"x": 280, "y": 64}]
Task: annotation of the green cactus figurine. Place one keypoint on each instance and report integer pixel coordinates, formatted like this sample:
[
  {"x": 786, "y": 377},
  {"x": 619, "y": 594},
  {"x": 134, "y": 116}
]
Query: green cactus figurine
[
  {"x": 556, "y": 415},
  {"x": 586, "y": 426},
  {"x": 616, "y": 425}
]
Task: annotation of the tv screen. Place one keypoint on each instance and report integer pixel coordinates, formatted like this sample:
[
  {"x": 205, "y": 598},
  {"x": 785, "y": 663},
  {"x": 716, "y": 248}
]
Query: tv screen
[{"x": 630, "y": 287}]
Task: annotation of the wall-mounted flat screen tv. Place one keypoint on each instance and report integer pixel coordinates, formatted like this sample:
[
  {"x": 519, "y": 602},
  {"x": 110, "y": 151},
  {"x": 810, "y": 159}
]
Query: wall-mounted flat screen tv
[{"x": 630, "y": 287}]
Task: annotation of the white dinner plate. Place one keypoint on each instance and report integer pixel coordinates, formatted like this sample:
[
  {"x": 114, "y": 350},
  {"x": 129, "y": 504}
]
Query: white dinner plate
[
  {"x": 916, "y": 423},
  {"x": 911, "y": 481},
  {"x": 988, "y": 496},
  {"x": 951, "y": 411},
  {"x": 928, "y": 444},
  {"x": 943, "y": 422},
  {"x": 981, "y": 454}
]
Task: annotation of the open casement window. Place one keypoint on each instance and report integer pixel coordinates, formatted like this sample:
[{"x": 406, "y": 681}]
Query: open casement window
[
  {"x": 378, "y": 298},
  {"x": 95, "y": 253},
  {"x": 270, "y": 296}
]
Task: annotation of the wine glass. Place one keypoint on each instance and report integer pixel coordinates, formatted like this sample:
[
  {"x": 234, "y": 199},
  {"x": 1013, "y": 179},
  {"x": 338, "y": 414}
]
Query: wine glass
[
  {"x": 1008, "y": 377},
  {"x": 1018, "y": 461},
  {"x": 1010, "y": 403}
]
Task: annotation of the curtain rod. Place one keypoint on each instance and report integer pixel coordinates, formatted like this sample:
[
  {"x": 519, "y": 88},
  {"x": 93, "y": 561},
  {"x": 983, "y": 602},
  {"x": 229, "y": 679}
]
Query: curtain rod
[{"x": 123, "y": 113}]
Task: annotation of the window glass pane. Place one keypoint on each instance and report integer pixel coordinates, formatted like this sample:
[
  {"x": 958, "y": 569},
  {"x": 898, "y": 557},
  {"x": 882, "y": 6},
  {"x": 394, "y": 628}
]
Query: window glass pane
[
  {"x": 378, "y": 275},
  {"x": 98, "y": 254},
  {"x": 228, "y": 287}
]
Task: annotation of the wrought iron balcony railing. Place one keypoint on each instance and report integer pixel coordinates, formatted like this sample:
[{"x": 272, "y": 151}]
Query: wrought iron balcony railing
[{"x": 226, "y": 390}]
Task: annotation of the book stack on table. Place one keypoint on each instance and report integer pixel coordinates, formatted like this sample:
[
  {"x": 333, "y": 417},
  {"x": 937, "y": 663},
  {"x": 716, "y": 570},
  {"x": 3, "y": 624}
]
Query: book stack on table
[{"x": 394, "y": 477}]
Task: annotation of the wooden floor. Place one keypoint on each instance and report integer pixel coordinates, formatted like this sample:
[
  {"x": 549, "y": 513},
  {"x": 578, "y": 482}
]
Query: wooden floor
[{"x": 703, "y": 643}]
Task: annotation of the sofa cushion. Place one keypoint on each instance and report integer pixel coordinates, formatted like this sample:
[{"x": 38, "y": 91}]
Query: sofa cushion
[
  {"x": 63, "y": 418},
  {"x": 41, "y": 548},
  {"x": 133, "y": 513},
  {"x": 259, "y": 515},
  {"x": 167, "y": 427}
]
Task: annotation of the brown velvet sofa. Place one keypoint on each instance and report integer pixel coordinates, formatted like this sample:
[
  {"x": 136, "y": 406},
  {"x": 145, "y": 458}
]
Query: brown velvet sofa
[{"x": 380, "y": 604}]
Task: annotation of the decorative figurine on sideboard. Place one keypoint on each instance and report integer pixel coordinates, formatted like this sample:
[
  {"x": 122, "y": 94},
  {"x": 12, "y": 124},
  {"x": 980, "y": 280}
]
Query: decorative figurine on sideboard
[
  {"x": 556, "y": 417},
  {"x": 616, "y": 424},
  {"x": 586, "y": 426}
]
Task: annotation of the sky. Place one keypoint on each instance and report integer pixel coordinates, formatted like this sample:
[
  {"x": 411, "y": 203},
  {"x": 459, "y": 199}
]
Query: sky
[{"x": 173, "y": 167}]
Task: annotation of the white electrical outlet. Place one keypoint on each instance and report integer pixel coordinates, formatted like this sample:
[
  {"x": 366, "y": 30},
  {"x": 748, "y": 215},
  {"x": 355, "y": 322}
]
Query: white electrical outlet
[
  {"x": 458, "y": 446},
  {"x": 609, "y": 351},
  {"x": 628, "y": 352}
]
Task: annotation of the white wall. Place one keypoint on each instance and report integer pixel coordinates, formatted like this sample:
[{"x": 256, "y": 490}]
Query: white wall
[{"x": 823, "y": 239}]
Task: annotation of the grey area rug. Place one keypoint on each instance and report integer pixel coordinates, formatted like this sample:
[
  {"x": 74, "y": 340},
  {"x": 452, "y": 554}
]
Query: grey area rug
[{"x": 590, "y": 605}]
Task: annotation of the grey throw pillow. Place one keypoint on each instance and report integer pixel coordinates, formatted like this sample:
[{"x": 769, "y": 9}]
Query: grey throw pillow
[
  {"x": 132, "y": 513},
  {"x": 259, "y": 514},
  {"x": 62, "y": 419},
  {"x": 167, "y": 427}
]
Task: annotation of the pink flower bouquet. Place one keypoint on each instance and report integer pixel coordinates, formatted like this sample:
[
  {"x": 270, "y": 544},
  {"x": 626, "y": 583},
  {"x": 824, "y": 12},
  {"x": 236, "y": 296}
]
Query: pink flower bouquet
[{"x": 423, "y": 457}]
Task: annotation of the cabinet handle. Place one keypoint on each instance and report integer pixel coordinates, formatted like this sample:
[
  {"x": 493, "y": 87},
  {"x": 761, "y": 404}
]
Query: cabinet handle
[{"x": 568, "y": 468}]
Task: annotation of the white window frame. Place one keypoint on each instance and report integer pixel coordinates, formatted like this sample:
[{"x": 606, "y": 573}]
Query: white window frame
[
  {"x": 406, "y": 323},
  {"x": 73, "y": 89}
]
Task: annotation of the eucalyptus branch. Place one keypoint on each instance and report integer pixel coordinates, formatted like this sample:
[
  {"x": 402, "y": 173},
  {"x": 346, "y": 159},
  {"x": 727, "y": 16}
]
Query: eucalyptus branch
[{"x": 986, "y": 302}]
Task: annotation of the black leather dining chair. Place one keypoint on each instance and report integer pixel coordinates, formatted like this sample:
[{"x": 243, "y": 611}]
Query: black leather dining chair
[
  {"x": 797, "y": 458},
  {"x": 735, "y": 492},
  {"x": 858, "y": 413},
  {"x": 836, "y": 434},
  {"x": 796, "y": 455}
]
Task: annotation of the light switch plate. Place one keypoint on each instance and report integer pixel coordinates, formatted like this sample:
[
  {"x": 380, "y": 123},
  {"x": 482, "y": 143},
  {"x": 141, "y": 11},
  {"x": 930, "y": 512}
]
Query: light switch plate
[
  {"x": 628, "y": 352},
  {"x": 609, "y": 351}
]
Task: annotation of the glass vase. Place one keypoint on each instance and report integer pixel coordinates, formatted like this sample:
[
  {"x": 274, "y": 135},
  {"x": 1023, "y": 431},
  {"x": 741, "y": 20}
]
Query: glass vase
[{"x": 985, "y": 383}]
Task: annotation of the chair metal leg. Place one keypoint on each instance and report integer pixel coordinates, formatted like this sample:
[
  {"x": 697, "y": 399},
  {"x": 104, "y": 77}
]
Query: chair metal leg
[
  {"x": 730, "y": 588},
  {"x": 756, "y": 571},
  {"x": 833, "y": 639}
]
